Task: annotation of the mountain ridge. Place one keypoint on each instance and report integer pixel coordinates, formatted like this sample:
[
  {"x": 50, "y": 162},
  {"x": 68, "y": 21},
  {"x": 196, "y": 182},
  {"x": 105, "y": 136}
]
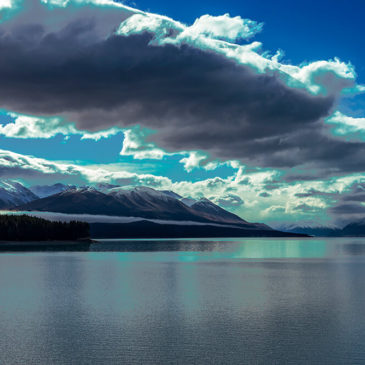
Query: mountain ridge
[
  {"x": 13, "y": 193},
  {"x": 148, "y": 205},
  {"x": 139, "y": 202},
  {"x": 352, "y": 229}
]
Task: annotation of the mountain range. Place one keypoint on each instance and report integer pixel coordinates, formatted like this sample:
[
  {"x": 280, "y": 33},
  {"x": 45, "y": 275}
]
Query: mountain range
[
  {"x": 352, "y": 229},
  {"x": 147, "y": 212},
  {"x": 153, "y": 209},
  {"x": 140, "y": 202}
]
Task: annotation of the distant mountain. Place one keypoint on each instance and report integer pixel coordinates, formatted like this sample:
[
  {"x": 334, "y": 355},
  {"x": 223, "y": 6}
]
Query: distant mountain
[
  {"x": 138, "y": 202},
  {"x": 43, "y": 191},
  {"x": 141, "y": 202},
  {"x": 313, "y": 231},
  {"x": 354, "y": 229},
  {"x": 351, "y": 229},
  {"x": 13, "y": 193},
  {"x": 160, "y": 213}
]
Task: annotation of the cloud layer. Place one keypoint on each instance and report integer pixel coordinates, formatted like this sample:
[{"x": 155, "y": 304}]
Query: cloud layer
[{"x": 103, "y": 65}]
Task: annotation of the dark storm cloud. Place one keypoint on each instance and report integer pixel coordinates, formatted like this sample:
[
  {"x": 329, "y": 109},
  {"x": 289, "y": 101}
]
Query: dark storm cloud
[
  {"x": 348, "y": 209},
  {"x": 357, "y": 198},
  {"x": 195, "y": 99},
  {"x": 305, "y": 208},
  {"x": 273, "y": 185},
  {"x": 230, "y": 201},
  {"x": 315, "y": 193},
  {"x": 349, "y": 206}
]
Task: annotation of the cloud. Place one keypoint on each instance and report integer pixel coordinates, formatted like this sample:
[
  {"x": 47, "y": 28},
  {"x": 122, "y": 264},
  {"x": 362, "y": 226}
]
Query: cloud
[
  {"x": 319, "y": 77},
  {"x": 305, "y": 208},
  {"x": 230, "y": 201},
  {"x": 275, "y": 209},
  {"x": 14, "y": 165},
  {"x": 25, "y": 126},
  {"x": 352, "y": 209},
  {"x": 30, "y": 127},
  {"x": 103, "y": 65},
  {"x": 353, "y": 128},
  {"x": 224, "y": 27},
  {"x": 5, "y": 4},
  {"x": 134, "y": 144},
  {"x": 193, "y": 160},
  {"x": 315, "y": 193},
  {"x": 350, "y": 205}
]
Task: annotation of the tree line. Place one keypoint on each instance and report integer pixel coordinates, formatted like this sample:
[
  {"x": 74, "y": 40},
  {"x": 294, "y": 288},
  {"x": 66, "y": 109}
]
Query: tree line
[{"x": 27, "y": 228}]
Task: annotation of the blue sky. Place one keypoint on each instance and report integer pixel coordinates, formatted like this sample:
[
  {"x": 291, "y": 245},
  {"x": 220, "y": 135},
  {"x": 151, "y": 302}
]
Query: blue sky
[
  {"x": 305, "y": 30},
  {"x": 204, "y": 108}
]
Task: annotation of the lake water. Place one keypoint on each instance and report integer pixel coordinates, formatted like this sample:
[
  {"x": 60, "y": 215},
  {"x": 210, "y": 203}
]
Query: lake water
[{"x": 240, "y": 301}]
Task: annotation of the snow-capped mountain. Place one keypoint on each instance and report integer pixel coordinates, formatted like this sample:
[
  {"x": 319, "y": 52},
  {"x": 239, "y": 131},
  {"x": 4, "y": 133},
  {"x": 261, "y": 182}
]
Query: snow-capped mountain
[
  {"x": 47, "y": 190},
  {"x": 351, "y": 229},
  {"x": 135, "y": 202},
  {"x": 13, "y": 193},
  {"x": 150, "y": 203},
  {"x": 153, "y": 210}
]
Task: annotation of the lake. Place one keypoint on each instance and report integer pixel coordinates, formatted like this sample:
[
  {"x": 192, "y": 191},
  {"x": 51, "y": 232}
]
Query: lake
[{"x": 220, "y": 301}]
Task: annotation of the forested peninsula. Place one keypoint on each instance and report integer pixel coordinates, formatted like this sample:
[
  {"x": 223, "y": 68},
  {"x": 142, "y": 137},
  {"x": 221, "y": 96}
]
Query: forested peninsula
[{"x": 27, "y": 228}]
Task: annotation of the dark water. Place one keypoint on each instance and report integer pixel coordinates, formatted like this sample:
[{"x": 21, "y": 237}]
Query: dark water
[{"x": 243, "y": 301}]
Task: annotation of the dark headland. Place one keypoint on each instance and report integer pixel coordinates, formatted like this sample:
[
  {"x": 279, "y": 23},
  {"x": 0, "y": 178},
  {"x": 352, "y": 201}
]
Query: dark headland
[{"x": 27, "y": 233}]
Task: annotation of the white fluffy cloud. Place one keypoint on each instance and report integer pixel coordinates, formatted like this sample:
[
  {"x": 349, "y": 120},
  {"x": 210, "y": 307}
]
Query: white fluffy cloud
[
  {"x": 218, "y": 35},
  {"x": 32, "y": 168},
  {"x": 193, "y": 160},
  {"x": 347, "y": 126},
  {"x": 135, "y": 145},
  {"x": 25, "y": 126},
  {"x": 224, "y": 27},
  {"x": 5, "y": 4}
]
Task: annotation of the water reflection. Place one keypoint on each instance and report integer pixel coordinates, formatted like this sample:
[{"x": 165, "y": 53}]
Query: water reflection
[
  {"x": 220, "y": 249},
  {"x": 354, "y": 248}
]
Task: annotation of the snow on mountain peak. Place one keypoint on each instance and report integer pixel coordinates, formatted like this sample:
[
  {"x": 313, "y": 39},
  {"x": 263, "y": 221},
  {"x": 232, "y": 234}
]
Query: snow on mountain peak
[{"x": 13, "y": 193}]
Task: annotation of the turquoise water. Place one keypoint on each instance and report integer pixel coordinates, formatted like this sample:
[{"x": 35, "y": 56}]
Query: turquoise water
[{"x": 240, "y": 301}]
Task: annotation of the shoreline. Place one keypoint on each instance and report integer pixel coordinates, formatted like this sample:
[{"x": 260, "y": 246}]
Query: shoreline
[{"x": 30, "y": 246}]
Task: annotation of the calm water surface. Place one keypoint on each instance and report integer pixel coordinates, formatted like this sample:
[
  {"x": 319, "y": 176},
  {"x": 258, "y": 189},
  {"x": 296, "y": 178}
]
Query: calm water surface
[{"x": 240, "y": 301}]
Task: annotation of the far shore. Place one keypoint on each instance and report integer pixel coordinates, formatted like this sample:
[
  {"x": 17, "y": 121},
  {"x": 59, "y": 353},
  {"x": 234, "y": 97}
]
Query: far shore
[{"x": 79, "y": 245}]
